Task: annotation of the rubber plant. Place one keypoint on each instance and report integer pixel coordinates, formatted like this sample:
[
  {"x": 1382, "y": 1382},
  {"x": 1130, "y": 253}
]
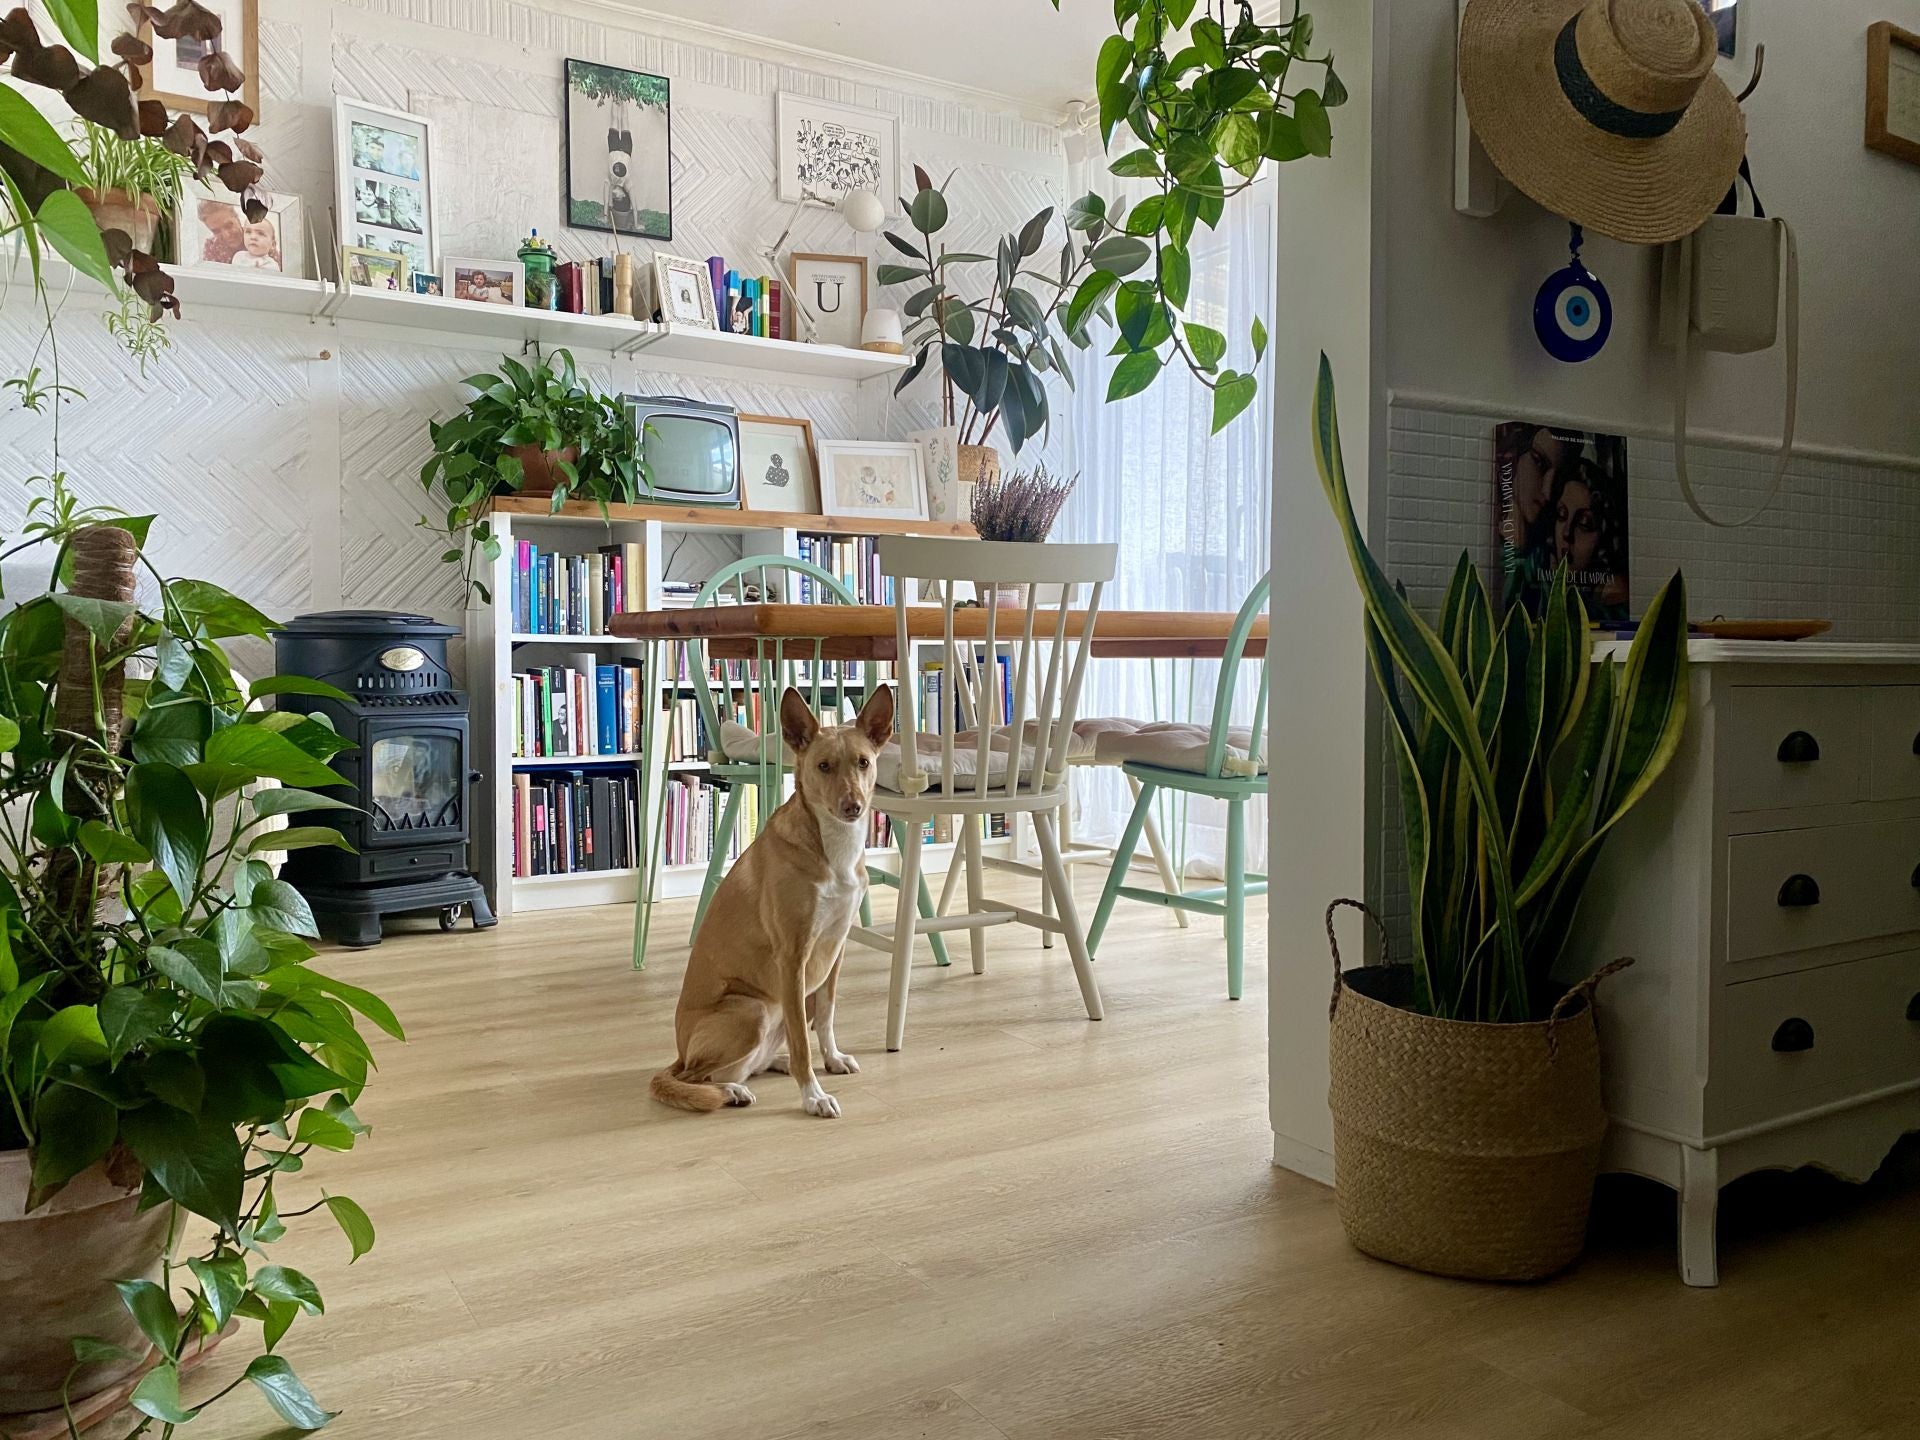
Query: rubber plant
[
  {"x": 1517, "y": 755},
  {"x": 586, "y": 439},
  {"x": 1203, "y": 97}
]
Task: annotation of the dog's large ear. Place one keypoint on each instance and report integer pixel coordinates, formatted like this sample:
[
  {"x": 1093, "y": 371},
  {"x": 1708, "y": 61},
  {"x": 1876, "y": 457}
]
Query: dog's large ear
[
  {"x": 875, "y": 719},
  {"x": 797, "y": 724}
]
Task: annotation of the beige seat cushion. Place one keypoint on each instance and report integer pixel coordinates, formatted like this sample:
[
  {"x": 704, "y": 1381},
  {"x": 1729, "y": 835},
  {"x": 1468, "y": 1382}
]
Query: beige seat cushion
[
  {"x": 742, "y": 746},
  {"x": 1172, "y": 746}
]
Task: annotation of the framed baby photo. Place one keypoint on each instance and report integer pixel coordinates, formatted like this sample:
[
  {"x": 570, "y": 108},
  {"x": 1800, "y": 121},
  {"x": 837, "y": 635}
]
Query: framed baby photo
[
  {"x": 383, "y": 169},
  {"x": 173, "y": 75},
  {"x": 683, "y": 292},
  {"x": 485, "y": 282},
  {"x": 211, "y": 231},
  {"x": 778, "y": 467},
  {"x": 427, "y": 284},
  {"x": 374, "y": 269},
  {"x": 867, "y": 478}
]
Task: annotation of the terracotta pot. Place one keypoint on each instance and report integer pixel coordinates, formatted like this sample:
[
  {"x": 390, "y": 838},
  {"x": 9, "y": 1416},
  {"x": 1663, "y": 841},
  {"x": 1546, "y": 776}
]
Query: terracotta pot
[
  {"x": 539, "y": 475},
  {"x": 139, "y": 216},
  {"x": 57, "y": 1268}
]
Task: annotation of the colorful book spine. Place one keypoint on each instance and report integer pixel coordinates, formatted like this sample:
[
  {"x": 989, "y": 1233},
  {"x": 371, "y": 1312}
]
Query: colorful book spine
[{"x": 717, "y": 269}]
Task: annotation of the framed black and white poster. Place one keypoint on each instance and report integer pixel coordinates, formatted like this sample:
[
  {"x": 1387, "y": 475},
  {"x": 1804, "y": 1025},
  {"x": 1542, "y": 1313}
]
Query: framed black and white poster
[
  {"x": 619, "y": 151},
  {"x": 383, "y": 167},
  {"x": 827, "y": 149}
]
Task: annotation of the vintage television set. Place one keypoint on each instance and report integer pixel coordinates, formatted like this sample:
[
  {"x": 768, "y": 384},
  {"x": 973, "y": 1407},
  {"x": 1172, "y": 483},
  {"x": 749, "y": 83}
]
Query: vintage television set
[{"x": 692, "y": 449}]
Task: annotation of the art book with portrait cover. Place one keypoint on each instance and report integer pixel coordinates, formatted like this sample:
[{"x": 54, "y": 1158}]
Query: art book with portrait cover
[{"x": 1560, "y": 498}]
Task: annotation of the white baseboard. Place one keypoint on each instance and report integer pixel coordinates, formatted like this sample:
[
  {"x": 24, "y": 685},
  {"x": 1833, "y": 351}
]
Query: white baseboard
[{"x": 1302, "y": 1158}]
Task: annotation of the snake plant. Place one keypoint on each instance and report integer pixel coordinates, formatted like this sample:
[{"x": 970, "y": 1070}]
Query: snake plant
[{"x": 1517, "y": 755}]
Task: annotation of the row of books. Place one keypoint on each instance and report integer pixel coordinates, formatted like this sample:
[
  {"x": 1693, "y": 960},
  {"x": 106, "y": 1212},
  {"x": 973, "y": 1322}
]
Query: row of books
[
  {"x": 855, "y": 562},
  {"x": 748, "y": 304},
  {"x": 693, "y": 817},
  {"x": 580, "y": 709},
  {"x": 585, "y": 287},
  {"x": 570, "y": 822},
  {"x": 557, "y": 594}
]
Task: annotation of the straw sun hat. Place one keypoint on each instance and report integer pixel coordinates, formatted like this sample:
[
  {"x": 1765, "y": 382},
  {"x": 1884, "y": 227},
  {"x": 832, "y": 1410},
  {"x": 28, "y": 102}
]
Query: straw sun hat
[{"x": 1605, "y": 111}]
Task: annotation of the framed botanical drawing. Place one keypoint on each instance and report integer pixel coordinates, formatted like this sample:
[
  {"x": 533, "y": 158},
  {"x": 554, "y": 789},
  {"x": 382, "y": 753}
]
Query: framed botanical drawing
[
  {"x": 827, "y": 149},
  {"x": 1893, "y": 91},
  {"x": 777, "y": 463},
  {"x": 829, "y": 293},
  {"x": 619, "y": 151},
  {"x": 941, "y": 459},
  {"x": 383, "y": 167},
  {"x": 867, "y": 478},
  {"x": 173, "y": 76}
]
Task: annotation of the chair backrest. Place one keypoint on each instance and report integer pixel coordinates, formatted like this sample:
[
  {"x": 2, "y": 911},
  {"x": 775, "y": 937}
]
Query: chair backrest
[
  {"x": 726, "y": 690},
  {"x": 1023, "y": 663},
  {"x": 1243, "y": 622}
]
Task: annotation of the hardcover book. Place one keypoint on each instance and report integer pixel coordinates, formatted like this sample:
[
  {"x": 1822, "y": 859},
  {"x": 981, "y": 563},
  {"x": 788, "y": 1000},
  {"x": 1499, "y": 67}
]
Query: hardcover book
[{"x": 1560, "y": 499}]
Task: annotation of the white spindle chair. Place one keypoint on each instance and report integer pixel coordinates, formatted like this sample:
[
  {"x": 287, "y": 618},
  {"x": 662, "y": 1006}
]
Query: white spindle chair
[{"x": 987, "y": 769}]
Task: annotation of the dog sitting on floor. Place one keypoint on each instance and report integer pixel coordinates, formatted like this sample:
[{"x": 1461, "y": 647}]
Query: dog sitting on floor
[{"x": 767, "y": 958}]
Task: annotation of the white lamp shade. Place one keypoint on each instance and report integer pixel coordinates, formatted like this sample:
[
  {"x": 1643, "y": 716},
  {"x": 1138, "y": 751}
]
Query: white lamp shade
[{"x": 862, "y": 211}]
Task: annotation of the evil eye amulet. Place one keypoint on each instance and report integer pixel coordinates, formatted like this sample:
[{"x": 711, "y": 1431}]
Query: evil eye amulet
[{"x": 1572, "y": 314}]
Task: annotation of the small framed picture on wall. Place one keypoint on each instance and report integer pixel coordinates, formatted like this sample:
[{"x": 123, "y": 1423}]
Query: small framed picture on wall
[
  {"x": 830, "y": 294},
  {"x": 868, "y": 478},
  {"x": 619, "y": 150},
  {"x": 173, "y": 76},
  {"x": 827, "y": 149}
]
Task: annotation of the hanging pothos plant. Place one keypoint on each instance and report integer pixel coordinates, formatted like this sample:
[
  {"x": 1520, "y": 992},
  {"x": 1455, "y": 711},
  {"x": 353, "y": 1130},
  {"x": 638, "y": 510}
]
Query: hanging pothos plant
[{"x": 1210, "y": 101}]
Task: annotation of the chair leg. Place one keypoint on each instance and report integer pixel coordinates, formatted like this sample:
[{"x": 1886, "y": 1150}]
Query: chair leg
[
  {"x": 954, "y": 867},
  {"x": 1122, "y": 858},
  {"x": 936, "y": 940},
  {"x": 717, "y": 862},
  {"x": 1236, "y": 895},
  {"x": 1169, "y": 881},
  {"x": 1069, "y": 915},
  {"x": 904, "y": 928},
  {"x": 976, "y": 897},
  {"x": 1046, "y": 903}
]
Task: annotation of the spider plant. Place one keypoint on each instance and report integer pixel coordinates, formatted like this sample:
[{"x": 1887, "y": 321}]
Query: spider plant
[{"x": 141, "y": 167}]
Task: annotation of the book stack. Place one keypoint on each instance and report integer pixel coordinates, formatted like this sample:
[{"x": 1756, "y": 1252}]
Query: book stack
[
  {"x": 555, "y": 594},
  {"x": 571, "y": 822},
  {"x": 693, "y": 817},
  {"x": 585, "y": 287},
  {"x": 855, "y": 562},
  {"x": 749, "y": 304},
  {"x": 580, "y": 709}
]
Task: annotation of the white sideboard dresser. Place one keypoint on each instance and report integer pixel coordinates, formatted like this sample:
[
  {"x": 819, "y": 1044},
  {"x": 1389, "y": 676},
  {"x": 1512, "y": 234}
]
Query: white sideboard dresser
[{"x": 1769, "y": 892}]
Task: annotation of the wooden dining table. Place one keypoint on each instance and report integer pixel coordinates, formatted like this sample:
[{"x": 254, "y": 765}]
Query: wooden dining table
[{"x": 760, "y": 632}]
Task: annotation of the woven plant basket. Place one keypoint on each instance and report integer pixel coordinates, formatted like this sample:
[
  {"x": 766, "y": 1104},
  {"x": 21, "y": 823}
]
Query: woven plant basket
[{"x": 1460, "y": 1148}]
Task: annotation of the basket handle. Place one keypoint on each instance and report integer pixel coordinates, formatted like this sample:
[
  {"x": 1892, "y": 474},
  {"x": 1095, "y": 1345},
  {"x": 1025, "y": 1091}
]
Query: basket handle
[
  {"x": 1333, "y": 944},
  {"x": 1583, "y": 991}
]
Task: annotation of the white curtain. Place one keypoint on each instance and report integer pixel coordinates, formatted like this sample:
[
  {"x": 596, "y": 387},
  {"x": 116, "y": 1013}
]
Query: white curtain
[{"x": 1190, "y": 511}]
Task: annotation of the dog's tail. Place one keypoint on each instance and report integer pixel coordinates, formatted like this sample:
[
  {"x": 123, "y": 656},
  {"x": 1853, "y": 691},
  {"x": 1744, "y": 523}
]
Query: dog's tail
[{"x": 669, "y": 1089}]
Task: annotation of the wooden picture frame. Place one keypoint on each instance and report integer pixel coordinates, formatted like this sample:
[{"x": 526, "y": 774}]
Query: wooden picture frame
[
  {"x": 1893, "y": 91},
  {"x": 758, "y": 490},
  {"x": 825, "y": 314},
  {"x": 244, "y": 48},
  {"x": 384, "y": 269},
  {"x": 896, "y": 488}
]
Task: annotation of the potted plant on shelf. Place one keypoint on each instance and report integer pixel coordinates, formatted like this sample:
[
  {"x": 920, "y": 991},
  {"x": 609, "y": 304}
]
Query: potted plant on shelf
[
  {"x": 1466, "y": 1084},
  {"x": 531, "y": 430},
  {"x": 128, "y": 185}
]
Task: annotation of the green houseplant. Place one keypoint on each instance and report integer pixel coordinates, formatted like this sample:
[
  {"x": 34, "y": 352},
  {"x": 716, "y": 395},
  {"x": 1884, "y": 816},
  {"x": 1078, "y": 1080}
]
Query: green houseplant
[
  {"x": 535, "y": 430},
  {"x": 1466, "y": 1084},
  {"x": 129, "y": 185}
]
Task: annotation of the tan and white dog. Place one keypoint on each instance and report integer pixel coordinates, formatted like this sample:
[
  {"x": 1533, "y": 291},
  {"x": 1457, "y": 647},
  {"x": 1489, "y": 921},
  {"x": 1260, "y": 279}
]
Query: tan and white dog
[{"x": 767, "y": 958}]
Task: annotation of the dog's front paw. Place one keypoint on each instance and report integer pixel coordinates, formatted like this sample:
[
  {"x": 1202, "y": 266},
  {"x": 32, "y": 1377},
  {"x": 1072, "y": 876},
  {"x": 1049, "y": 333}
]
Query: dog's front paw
[
  {"x": 738, "y": 1094},
  {"x": 841, "y": 1063},
  {"x": 822, "y": 1104}
]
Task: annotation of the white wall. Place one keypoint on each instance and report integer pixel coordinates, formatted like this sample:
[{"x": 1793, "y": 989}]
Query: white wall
[{"x": 283, "y": 458}]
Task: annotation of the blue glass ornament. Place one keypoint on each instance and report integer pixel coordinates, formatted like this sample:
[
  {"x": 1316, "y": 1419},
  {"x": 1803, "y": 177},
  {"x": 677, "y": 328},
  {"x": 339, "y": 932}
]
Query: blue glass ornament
[{"x": 1573, "y": 314}]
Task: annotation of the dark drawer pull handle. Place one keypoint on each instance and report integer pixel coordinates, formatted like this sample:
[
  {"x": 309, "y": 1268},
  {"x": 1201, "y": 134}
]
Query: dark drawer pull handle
[
  {"x": 1799, "y": 892},
  {"x": 1913, "y": 1008},
  {"x": 1792, "y": 1036},
  {"x": 1800, "y": 748}
]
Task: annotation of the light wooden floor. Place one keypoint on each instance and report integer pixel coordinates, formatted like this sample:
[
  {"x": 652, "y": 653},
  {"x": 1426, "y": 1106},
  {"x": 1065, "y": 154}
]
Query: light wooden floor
[{"x": 1027, "y": 1227}]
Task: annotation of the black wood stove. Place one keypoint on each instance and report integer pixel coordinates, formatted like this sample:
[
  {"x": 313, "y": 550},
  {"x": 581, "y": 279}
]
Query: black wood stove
[{"x": 409, "y": 772}]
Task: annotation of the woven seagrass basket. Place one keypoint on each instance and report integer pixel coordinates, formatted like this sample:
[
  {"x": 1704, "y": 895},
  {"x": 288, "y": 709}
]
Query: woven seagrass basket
[{"x": 1460, "y": 1148}]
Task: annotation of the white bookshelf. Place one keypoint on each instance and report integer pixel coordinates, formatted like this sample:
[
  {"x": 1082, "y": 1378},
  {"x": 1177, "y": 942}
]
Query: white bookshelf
[{"x": 495, "y": 651}]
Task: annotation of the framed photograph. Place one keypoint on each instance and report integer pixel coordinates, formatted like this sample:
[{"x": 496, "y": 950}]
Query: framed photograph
[
  {"x": 383, "y": 168},
  {"x": 211, "y": 230},
  {"x": 778, "y": 467},
  {"x": 683, "y": 292},
  {"x": 486, "y": 282},
  {"x": 872, "y": 478},
  {"x": 174, "y": 76},
  {"x": 375, "y": 269},
  {"x": 830, "y": 293},
  {"x": 619, "y": 151},
  {"x": 1893, "y": 91},
  {"x": 827, "y": 149},
  {"x": 940, "y": 458},
  {"x": 425, "y": 284}
]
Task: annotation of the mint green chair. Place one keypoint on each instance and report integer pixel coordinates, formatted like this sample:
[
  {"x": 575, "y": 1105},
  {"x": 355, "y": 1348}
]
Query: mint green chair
[
  {"x": 1224, "y": 761},
  {"x": 738, "y": 758}
]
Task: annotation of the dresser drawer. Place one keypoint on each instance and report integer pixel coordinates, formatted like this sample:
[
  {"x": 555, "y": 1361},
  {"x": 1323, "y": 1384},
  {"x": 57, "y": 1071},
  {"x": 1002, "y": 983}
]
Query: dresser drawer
[
  {"x": 1793, "y": 890},
  {"x": 1787, "y": 746},
  {"x": 1893, "y": 730},
  {"x": 1789, "y": 1042}
]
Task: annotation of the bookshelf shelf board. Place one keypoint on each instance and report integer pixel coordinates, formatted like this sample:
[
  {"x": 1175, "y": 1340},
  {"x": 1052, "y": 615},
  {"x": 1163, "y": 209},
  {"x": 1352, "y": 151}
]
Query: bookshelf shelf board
[
  {"x": 581, "y": 875},
  {"x": 564, "y": 762},
  {"x": 570, "y": 640},
  {"x": 696, "y": 517}
]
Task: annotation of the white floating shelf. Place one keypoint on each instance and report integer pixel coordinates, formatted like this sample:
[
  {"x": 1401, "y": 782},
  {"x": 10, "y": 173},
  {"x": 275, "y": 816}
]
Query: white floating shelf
[
  {"x": 571, "y": 762},
  {"x": 543, "y": 639}
]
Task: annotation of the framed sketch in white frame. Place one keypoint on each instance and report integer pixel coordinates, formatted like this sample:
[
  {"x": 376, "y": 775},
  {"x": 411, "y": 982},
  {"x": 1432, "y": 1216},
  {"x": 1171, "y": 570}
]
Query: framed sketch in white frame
[
  {"x": 211, "y": 231},
  {"x": 827, "y": 149},
  {"x": 683, "y": 292},
  {"x": 778, "y": 466},
  {"x": 173, "y": 75},
  {"x": 872, "y": 479},
  {"x": 383, "y": 181}
]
